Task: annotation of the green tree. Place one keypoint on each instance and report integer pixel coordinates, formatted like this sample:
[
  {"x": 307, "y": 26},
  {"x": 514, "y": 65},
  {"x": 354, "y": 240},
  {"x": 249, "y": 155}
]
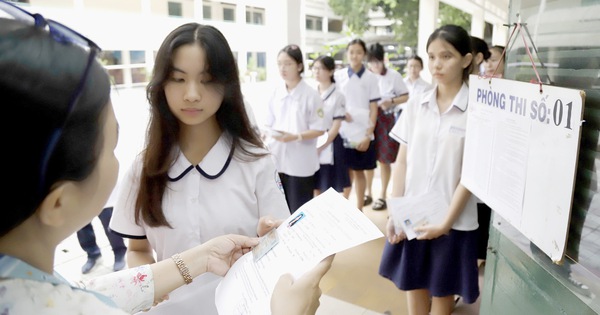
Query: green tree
[
  {"x": 404, "y": 13},
  {"x": 451, "y": 15}
]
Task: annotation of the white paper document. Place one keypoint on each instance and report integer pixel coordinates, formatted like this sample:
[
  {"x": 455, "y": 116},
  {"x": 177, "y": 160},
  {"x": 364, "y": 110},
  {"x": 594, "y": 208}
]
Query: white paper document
[
  {"x": 323, "y": 226},
  {"x": 410, "y": 212},
  {"x": 355, "y": 131}
]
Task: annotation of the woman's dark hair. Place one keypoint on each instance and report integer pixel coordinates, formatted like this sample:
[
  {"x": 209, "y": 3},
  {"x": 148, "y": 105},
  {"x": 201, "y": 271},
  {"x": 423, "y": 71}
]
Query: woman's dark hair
[
  {"x": 163, "y": 129},
  {"x": 38, "y": 78},
  {"x": 376, "y": 53},
  {"x": 357, "y": 41},
  {"x": 458, "y": 38},
  {"x": 417, "y": 58},
  {"x": 295, "y": 53},
  {"x": 480, "y": 46},
  {"x": 328, "y": 63}
]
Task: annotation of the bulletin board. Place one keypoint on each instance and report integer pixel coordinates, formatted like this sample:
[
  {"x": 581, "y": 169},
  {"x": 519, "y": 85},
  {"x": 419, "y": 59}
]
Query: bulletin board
[{"x": 520, "y": 158}]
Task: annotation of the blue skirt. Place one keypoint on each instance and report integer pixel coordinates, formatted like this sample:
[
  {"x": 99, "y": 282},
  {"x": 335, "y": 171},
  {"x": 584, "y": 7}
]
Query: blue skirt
[
  {"x": 336, "y": 175},
  {"x": 358, "y": 161},
  {"x": 445, "y": 266}
]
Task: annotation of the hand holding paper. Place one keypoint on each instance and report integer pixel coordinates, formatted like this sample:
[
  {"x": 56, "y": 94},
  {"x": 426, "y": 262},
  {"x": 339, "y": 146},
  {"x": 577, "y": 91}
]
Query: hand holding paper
[
  {"x": 410, "y": 212},
  {"x": 323, "y": 226}
]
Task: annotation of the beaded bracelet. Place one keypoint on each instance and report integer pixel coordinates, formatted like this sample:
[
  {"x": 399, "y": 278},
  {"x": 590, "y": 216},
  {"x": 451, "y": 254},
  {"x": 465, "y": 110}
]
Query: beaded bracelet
[{"x": 183, "y": 269}]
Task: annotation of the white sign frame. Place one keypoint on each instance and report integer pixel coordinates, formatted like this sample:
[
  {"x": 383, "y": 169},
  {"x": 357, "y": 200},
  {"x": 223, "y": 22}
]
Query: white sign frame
[{"x": 521, "y": 151}]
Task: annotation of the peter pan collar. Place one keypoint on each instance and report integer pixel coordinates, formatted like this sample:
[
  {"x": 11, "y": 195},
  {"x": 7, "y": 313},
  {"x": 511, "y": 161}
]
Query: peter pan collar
[{"x": 213, "y": 165}]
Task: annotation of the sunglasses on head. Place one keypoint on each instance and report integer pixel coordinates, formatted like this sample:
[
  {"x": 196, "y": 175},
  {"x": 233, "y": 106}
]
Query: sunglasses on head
[{"x": 63, "y": 35}]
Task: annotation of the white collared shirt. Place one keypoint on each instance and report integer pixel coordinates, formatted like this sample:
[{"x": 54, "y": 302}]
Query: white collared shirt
[
  {"x": 435, "y": 143},
  {"x": 335, "y": 108},
  {"x": 359, "y": 89},
  {"x": 417, "y": 87},
  {"x": 213, "y": 198},
  {"x": 391, "y": 84},
  {"x": 296, "y": 111}
]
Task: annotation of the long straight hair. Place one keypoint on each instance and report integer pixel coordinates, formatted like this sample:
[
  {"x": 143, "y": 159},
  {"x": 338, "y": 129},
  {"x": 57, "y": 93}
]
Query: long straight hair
[{"x": 163, "y": 129}]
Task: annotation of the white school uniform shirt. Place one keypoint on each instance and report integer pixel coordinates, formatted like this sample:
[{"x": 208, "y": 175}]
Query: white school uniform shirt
[
  {"x": 296, "y": 111},
  {"x": 435, "y": 143},
  {"x": 359, "y": 89},
  {"x": 391, "y": 84},
  {"x": 334, "y": 108},
  {"x": 221, "y": 195},
  {"x": 414, "y": 88},
  {"x": 419, "y": 86}
]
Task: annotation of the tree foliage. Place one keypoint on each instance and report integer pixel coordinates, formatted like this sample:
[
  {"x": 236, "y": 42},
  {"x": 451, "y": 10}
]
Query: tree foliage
[
  {"x": 404, "y": 14},
  {"x": 451, "y": 15}
]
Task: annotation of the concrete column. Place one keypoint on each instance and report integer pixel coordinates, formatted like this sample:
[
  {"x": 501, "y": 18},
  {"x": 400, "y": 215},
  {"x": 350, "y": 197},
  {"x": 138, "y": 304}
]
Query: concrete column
[
  {"x": 428, "y": 15},
  {"x": 477, "y": 23},
  {"x": 198, "y": 11}
]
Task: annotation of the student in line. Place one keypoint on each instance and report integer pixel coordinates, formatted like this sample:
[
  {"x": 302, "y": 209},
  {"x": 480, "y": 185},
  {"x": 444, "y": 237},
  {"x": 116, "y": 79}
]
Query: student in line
[
  {"x": 62, "y": 175},
  {"x": 495, "y": 62},
  {"x": 295, "y": 117},
  {"x": 361, "y": 90},
  {"x": 393, "y": 92},
  {"x": 204, "y": 171},
  {"x": 333, "y": 171},
  {"x": 481, "y": 53},
  {"x": 442, "y": 261},
  {"x": 413, "y": 80}
]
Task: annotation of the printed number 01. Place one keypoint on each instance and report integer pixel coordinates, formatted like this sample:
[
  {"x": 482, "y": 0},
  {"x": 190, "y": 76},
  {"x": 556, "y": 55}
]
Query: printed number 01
[{"x": 557, "y": 113}]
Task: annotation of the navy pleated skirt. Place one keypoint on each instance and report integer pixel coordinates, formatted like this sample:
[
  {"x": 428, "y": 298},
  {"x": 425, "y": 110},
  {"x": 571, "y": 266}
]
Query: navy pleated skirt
[
  {"x": 336, "y": 175},
  {"x": 444, "y": 266}
]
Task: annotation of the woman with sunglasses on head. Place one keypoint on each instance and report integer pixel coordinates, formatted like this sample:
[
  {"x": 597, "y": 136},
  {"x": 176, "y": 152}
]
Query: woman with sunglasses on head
[{"x": 62, "y": 175}]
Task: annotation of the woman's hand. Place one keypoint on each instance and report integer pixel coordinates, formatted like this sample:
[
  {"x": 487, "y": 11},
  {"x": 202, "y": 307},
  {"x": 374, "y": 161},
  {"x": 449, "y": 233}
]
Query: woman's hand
[
  {"x": 430, "y": 231},
  {"x": 348, "y": 118},
  {"x": 363, "y": 145},
  {"x": 300, "y": 296},
  {"x": 286, "y": 137},
  {"x": 221, "y": 252},
  {"x": 266, "y": 224},
  {"x": 386, "y": 104},
  {"x": 392, "y": 237}
]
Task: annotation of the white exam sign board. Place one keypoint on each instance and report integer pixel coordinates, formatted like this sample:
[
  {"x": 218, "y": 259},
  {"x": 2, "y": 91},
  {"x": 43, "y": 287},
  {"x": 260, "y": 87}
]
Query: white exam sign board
[{"x": 520, "y": 157}]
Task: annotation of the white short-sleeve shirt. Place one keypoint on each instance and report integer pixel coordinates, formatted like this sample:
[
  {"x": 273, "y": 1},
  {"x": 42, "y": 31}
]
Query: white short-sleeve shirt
[
  {"x": 417, "y": 87},
  {"x": 296, "y": 111},
  {"x": 359, "y": 89},
  {"x": 435, "y": 143},
  {"x": 335, "y": 108},
  {"x": 334, "y": 104},
  {"x": 391, "y": 84},
  {"x": 221, "y": 195}
]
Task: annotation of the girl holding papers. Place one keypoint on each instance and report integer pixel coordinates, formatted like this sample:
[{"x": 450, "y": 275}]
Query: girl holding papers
[
  {"x": 333, "y": 171},
  {"x": 295, "y": 109},
  {"x": 361, "y": 89},
  {"x": 442, "y": 261}
]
